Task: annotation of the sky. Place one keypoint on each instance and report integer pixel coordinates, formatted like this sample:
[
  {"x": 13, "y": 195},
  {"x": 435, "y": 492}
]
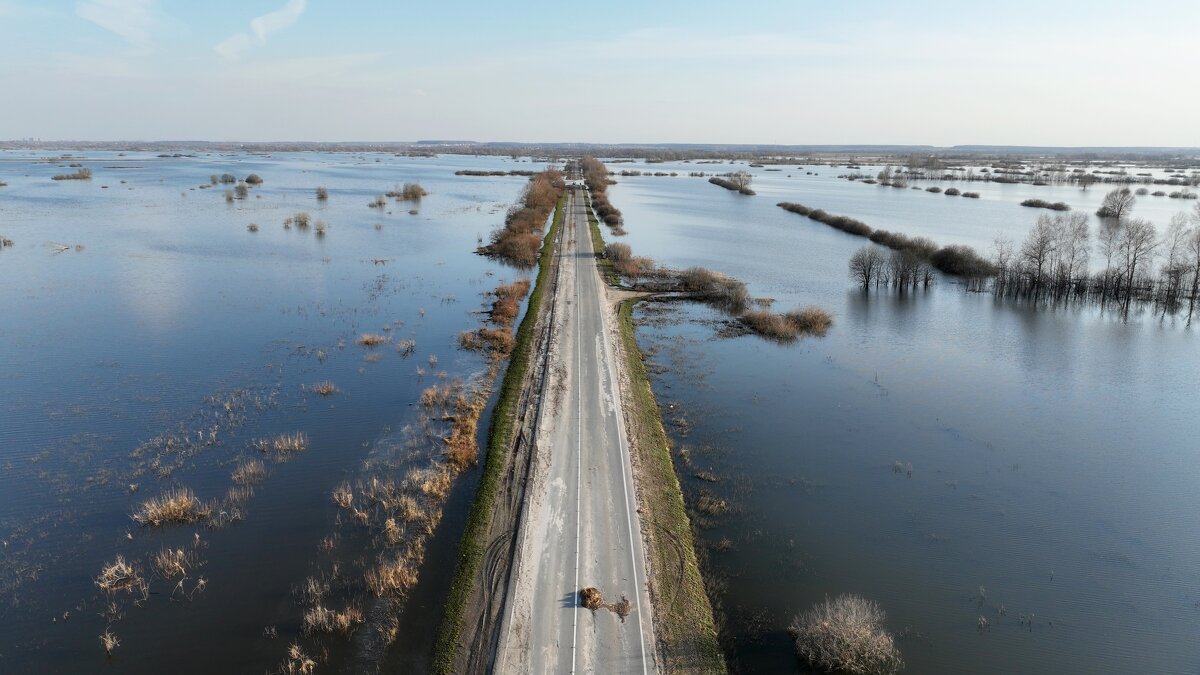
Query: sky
[{"x": 1051, "y": 72}]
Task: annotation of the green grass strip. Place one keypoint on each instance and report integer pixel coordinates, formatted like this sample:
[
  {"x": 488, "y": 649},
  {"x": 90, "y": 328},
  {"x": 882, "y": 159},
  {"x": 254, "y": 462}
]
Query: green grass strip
[{"x": 500, "y": 441}]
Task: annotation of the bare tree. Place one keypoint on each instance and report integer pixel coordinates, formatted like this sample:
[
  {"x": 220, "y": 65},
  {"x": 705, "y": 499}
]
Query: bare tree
[
  {"x": 865, "y": 265},
  {"x": 1175, "y": 258},
  {"x": 741, "y": 179},
  {"x": 1193, "y": 250},
  {"x": 1002, "y": 248},
  {"x": 1136, "y": 249},
  {"x": 1038, "y": 249},
  {"x": 1072, "y": 247},
  {"x": 1117, "y": 204}
]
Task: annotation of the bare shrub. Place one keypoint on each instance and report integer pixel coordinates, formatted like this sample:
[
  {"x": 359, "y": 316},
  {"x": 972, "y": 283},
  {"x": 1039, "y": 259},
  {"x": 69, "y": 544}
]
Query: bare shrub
[
  {"x": 322, "y": 194},
  {"x": 82, "y": 174},
  {"x": 846, "y": 635},
  {"x": 408, "y": 192},
  {"x": 254, "y": 179},
  {"x": 618, "y": 252}
]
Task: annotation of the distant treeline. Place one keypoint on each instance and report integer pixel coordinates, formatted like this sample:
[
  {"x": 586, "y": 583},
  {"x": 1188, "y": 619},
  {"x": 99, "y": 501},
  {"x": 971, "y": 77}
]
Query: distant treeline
[
  {"x": 1026, "y": 173},
  {"x": 518, "y": 241},
  {"x": 738, "y": 181},
  {"x": 476, "y": 172},
  {"x": 913, "y": 252}
]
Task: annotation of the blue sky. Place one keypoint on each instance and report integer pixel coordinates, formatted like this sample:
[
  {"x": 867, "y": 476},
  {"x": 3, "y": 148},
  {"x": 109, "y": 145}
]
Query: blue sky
[{"x": 1049, "y": 73}]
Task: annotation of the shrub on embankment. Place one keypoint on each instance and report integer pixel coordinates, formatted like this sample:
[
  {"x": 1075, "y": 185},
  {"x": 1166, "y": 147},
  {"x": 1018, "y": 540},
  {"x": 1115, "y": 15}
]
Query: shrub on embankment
[
  {"x": 518, "y": 241},
  {"x": 738, "y": 184}
]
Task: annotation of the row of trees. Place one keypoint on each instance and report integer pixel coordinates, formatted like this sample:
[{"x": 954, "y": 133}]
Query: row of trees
[
  {"x": 1139, "y": 265},
  {"x": 595, "y": 175}
]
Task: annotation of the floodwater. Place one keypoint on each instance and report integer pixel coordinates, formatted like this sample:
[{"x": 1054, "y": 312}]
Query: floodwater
[
  {"x": 138, "y": 311},
  {"x": 953, "y": 456}
]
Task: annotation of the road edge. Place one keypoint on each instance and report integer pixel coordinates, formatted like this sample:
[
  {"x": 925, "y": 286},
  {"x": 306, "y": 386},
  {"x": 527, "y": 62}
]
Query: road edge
[{"x": 684, "y": 623}]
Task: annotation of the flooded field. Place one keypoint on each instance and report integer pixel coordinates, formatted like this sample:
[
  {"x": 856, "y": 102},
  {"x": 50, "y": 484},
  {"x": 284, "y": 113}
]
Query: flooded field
[
  {"x": 158, "y": 336},
  {"x": 1015, "y": 485}
]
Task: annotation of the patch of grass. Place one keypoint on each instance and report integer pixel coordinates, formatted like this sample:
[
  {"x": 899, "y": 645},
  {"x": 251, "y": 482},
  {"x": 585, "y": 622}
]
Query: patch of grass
[
  {"x": 408, "y": 192},
  {"x": 500, "y": 438},
  {"x": 179, "y": 505},
  {"x": 171, "y": 563}
]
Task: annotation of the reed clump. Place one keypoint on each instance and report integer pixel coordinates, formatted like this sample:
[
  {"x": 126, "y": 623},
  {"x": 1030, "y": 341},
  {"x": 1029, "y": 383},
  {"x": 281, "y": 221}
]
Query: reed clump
[
  {"x": 249, "y": 472},
  {"x": 789, "y": 326},
  {"x": 322, "y": 194},
  {"x": 372, "y": 339},
  {"x": 321, "y": 619},
  {"x": 325, "y": 388},
  {"x": 176, "y": 506}
]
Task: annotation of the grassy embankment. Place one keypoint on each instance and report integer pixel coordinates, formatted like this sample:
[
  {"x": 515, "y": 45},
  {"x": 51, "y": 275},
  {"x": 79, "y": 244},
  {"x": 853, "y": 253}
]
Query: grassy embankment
[
  {"x": 683, "y": 614},
  {"x": 500, "y": 441}
]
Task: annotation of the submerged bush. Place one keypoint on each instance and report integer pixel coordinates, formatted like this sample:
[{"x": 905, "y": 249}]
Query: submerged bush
[
  {"x": 952, "y": 192},
  {"x": 1043, "y": 204},
  {"x": 846, "y": 635}
]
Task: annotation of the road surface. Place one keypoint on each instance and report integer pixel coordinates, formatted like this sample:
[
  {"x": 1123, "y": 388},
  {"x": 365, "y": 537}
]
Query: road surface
[{"x": 580, "y": 527}]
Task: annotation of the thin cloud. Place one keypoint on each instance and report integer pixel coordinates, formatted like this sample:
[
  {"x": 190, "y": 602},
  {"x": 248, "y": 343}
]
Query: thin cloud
[
  {"x": 131, "y": 20},
  {"x": 261, "y": 28}
]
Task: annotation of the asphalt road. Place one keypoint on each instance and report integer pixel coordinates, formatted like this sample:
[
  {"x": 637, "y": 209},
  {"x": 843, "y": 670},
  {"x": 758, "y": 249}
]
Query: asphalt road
[{"x": 580, "y": 526}]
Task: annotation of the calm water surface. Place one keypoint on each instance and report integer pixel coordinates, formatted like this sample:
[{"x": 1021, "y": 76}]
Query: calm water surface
[
  {"x": 171, "y": 310},
  {"x": 1054, "y": 472}
]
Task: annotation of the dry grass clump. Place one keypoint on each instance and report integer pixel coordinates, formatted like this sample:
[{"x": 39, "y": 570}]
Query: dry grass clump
[
  {"x": 169, "y": 563},
  {"x": 119, "y": 576},
  {"x": 372, "y": 339},
  {"x": 810, "y": 320},
  {"x": 5, "y": 242},
  {"x": 406, "y": 347},
  {"x": 253, "y": 227},
  {"x": 298, "y": 662},
  {"x": 378, "y": 203},
  {"x": 618, "y": 252},
  {"x": 300, "y": 220},
  {"x": 508, "y": 301},
  {"x": 789, "y": 326},
  {"x": 287, "y": 443},
  {"x": 109, "y": 641},
  {"x": 321, "y": 619},
  {"x": 408, "y": 192},
  {"x": 591, "y": 598},
  {"x": 249, "y": 472},
  {"x": 325, "y": 388},
  {"x": 179, "y": 505},
  {"x": 343, "y": 496},
  {"x": 846, "y": 635},
  {"x": 322, "y": 194},
  {"x": 391, "y": 578}
]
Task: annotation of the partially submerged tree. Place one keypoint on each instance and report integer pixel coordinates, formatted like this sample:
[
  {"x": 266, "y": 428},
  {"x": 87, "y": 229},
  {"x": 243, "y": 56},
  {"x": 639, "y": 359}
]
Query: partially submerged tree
[{"x": 1117, "y": 204}]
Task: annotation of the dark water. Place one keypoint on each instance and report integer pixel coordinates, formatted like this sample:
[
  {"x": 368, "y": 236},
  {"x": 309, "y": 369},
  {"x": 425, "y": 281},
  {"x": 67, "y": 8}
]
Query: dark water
[
  {"x": 174, "y": 321},
  {"x": 1053, "y": 485}
]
